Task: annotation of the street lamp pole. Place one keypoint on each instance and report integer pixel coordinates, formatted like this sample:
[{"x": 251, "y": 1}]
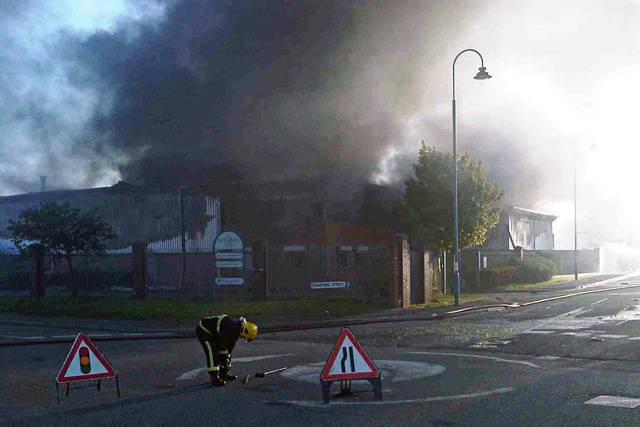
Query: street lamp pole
[
  {"x": 575, "y": 212},
  {"x": 481, "y": 75},
  {"x": 575, "y": 199}
]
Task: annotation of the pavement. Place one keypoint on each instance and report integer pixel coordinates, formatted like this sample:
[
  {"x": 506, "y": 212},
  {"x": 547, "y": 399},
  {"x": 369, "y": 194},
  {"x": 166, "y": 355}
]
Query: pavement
[{"x": 570, "y": 361}]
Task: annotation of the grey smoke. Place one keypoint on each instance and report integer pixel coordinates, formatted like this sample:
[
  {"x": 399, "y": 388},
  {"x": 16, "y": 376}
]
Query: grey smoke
[{"x": 227, "y": 90}]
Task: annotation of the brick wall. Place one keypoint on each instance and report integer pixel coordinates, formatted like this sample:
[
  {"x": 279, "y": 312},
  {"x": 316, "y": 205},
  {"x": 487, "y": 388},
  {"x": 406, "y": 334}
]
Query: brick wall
[{"x": 399, "y": 283}]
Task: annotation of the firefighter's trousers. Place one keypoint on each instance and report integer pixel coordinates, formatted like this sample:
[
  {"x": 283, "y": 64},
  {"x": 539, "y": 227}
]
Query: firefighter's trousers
[{"x": 218, "y": 360}]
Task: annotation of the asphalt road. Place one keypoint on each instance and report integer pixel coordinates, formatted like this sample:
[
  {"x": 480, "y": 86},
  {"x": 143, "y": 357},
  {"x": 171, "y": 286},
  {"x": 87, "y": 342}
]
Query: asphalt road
[{"x": 530, "y": 366}]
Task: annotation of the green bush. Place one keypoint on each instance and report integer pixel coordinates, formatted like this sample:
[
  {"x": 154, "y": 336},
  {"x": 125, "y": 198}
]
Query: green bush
[
  {"x": 534, "y": 269},
  {"x": 498, "y": 276},
  {"x": 529, "y": 270}
]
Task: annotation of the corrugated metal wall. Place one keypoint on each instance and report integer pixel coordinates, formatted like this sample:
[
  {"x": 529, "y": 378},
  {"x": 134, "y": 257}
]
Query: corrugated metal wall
[{"x": 138, "y": 215}]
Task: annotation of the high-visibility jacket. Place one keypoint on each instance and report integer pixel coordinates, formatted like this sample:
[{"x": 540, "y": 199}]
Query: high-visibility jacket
[{"x": 224, "y": 331}]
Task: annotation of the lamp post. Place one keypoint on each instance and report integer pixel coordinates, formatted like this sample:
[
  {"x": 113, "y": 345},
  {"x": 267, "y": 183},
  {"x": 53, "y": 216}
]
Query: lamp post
[
  {"x": 575, "y": 200},
  {"x": 481, "y": 75}
]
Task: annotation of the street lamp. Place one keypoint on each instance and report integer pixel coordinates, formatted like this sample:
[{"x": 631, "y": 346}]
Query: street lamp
[
  {"x": 575, "y": 200},
  {"x": 481, "y": 75}
]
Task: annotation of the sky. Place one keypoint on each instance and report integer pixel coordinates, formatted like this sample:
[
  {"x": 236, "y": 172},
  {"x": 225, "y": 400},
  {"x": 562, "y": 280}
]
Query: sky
[{"x": 155, "y": 92}]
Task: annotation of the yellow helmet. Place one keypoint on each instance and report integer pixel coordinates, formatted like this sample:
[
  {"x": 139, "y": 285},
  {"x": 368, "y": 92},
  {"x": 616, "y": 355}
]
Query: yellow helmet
[{"x": 249, "y": 330}]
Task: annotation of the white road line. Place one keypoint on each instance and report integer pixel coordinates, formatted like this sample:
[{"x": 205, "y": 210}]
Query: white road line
[
  {"x": 612, "y": 336},
  {"x": 63, "y": 336},
  {"x": 575, "y": 312},
  {"x": 598, "y": 302},
  {"x": 538, "y": 332},
  {"x": 622, "y": 323},
  {"x": 476, "y": 356},
  {"x": 136, "y": 334},
  {"x": 634, "y": 339},
  {"x": 617, "y": 401},
  {"x": 32, "y": 338},
  {"x": 549, "y": 357},
  {"x": 317, "y": 404},
  {"x": 100, "y": 335},
  {"x": 189, "y": 375},
  {"x": 577, "y": 334}
]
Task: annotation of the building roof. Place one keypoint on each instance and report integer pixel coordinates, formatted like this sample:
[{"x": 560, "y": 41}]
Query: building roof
[{"x": 531, "y": 213}]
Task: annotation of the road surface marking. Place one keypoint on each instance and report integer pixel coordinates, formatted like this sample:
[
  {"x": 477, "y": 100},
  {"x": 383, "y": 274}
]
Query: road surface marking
[
  {"x": 133, "y": 334},
  {"x": 538, "y": 332},
  {"x": 634, "y": 339},
  {"x": 63, "y": 336},
  {"x": 476, "y": 356},
  {"x": 612, "y": 336},
  {"x": 577, "y": 334},
  {"x": 318, "y": 404},
  {"x": 598, "y": 302},
  {"x": 617, "y": 401},
  {"x": 189, "y": 375},
  {"x": 574, "y": 313},
  {"x": 549, "y": 357},
  {"x": 397, "y": 370},
  {"x": 32, "y": 338}
]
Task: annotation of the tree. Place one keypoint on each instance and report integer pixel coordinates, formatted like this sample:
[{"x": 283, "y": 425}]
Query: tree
[
  {"x": 428, "y": 200},
  {"x": 63, "y": 231}
]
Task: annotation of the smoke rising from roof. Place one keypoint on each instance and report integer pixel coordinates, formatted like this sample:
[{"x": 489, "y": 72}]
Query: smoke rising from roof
[{"x": 189, "y": 92}]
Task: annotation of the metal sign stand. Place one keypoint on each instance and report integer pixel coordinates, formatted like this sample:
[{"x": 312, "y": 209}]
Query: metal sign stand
[
  {"x": 345, "y": 388},
  {"x": 97, "y": 386}
]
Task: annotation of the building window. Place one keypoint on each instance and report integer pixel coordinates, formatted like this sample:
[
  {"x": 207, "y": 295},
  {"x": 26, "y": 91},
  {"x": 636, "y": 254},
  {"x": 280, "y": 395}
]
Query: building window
[
  {"x": 345, "y": 258},
  {"x": 361, "y": 256},
  {"x": 296, "y": 256}
]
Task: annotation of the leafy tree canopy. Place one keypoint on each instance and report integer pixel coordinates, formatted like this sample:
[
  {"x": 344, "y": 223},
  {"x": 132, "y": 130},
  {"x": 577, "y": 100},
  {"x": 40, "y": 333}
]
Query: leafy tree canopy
[
  {"x": 428, "y": 200},
  {"x": 61, "y": 229}
]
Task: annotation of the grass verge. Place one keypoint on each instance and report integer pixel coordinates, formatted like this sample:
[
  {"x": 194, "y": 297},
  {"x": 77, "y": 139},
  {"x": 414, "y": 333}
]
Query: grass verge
[
  {"x": 562, "y": 278},
  {"x": 179, "y": 309},
  {"x": 446, "y": 300}
]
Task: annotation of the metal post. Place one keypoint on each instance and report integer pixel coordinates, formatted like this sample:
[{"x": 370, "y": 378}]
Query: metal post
[
  {"x": 456, "y": 250},
  {"x": 183, "y": 259},
  {"x": 444, "y": 272},
  {"x": 575, "y": 212}
]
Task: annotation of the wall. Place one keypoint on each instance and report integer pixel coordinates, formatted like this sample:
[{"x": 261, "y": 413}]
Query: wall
[
  {"x": 588, "y": 260},
  {"x": 530, "y": 231},
  {"x": 137, "y": 214}
]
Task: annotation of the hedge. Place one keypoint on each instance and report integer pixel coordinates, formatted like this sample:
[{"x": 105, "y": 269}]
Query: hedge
[{"x": 529, "y": 270}]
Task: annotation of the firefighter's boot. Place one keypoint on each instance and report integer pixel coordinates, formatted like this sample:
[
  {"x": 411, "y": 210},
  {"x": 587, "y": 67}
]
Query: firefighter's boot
[
  {"x": 224, "y": 374},
  {"x": 216, "y": 381}
]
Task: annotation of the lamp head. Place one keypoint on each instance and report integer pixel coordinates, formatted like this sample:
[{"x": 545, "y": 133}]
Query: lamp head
[{"x": 482, "y": 74}]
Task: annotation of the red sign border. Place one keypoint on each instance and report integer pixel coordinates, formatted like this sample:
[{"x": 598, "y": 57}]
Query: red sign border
[
  {"x": 325, "y": 376},
  {"x": 82, "y": 337}
]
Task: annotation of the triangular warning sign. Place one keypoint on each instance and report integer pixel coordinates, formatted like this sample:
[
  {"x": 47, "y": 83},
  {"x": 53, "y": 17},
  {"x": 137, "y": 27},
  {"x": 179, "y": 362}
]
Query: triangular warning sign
[
  {"x": 84, "y": 362},
  {"x": 348, "y": 360}
]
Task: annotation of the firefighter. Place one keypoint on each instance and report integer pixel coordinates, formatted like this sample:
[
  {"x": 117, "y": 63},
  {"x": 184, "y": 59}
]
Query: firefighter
[{"x": 218, "y": 336}]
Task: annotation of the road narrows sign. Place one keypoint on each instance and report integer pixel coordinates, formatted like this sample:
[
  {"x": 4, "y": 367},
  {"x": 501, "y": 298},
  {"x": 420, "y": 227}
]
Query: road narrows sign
[
  {"x": 348, "y": 360},
  {"x": 84, "y": 362}
]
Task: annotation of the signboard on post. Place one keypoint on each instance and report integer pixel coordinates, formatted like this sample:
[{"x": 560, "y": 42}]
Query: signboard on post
[
  {"x": 348, "y": 361},
  {"x": 229, "y": 259},
  {"x": 83, "y": 363}
]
